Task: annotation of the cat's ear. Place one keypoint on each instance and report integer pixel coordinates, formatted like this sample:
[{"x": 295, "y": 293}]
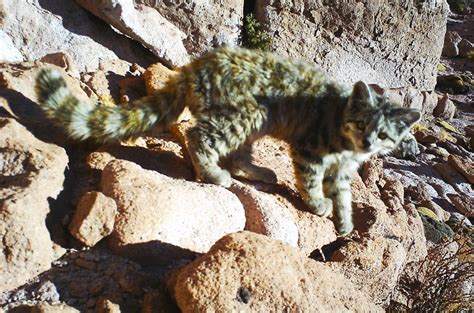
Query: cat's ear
[
  {"x": 407, "y": 116},
  {"x": 361, "y": 96}
]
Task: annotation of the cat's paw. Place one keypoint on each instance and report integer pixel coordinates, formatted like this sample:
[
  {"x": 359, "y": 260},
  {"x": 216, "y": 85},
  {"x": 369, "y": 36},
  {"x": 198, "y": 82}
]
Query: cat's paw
[
  {"x": 344, "y": 227},
  {"x": 322, "y": 206},
  {"x": 253, "y": 172},
  {"x": 218, "y": 177}
]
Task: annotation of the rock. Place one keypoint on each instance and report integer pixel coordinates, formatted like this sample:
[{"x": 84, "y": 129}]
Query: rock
[
  {"x": 104, "y": 305},
  {"x": 22, "y": 76},
  {"x": 158, "y": 301},
  {"x": 354, "y": 40},
  {"x": 387, "y": 234},
  {"x": 466, "y": 48},
  {"x": 32, "y": 175},
  {"x": 155, "y": 76},
  {"x": 8, "y": 52},
  {"x": 451, "y": 41},
  {"x": 455, "y": 179},
  {"x": 207, "y": 24},
  {"x": 427, "y": 137},
  {"x": 464, "y": 204},
  {"x": 62, "y": 60},
  {"x": 135, "y": 21},
  {"x": 45, "y": 308},
  {"x": 38, "y": 28},
  {"x": 372, "y": 174},
  {"x": 161, "y": 218},
  {"x": 94, "y": 218},
  {"x": 98, "y": 160},
  {"x": 265, "y": 215},
  {"x": 409, "y": 97},
  {"x": 445, "y": 108},
  {"x": 250, "y": 272},
  {"x": 463, "y": 166},
  {"x": 454, "y": 83},
  {"x": 411, "y": 173},
  {"x": 457, "y": 219},
  {"x": 98, "y": 83}
]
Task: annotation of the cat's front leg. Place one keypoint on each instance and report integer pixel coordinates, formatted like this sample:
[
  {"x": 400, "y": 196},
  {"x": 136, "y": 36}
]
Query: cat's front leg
[
  {"x": 338, "y": 188},
  {"x": 309, "y": 177}
]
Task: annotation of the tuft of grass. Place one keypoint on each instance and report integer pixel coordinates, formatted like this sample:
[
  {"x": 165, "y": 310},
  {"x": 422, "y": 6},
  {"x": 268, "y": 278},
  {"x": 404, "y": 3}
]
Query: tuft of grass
[
  {"x": 254, "y": 36},
  {"x": 107, "y": 100}
]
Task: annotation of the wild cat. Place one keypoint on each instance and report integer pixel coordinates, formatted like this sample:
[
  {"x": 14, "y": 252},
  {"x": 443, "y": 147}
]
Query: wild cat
[{"x": 237, "y": 96}]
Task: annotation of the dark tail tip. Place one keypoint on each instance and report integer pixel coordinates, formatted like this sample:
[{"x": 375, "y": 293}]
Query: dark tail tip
[{"x": 47, "y": 82}]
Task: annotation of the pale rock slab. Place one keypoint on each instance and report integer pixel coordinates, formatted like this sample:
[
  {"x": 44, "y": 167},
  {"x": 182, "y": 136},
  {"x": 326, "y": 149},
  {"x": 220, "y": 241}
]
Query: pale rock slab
[
  {"x": 8, "y": 52},
  {"x": 265, "y": 215},
  {"x": 32, "y": 174},
  {"x": 160, "y": 218},
  {"x": 248, "y": 272},
  {"x": 143, "y": 24},
  {"x": 41, "y": 27}
]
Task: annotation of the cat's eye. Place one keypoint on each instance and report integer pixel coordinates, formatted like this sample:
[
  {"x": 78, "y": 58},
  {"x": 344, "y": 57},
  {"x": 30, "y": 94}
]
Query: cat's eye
[
  {"x": 382, "y": 136},
  {"x": 360, "y": 125}
]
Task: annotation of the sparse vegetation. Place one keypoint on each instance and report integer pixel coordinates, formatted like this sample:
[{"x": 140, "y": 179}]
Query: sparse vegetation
[
  {"x": 254, "y": 36},
  {"x": 459, "y": 6},
  {"x": 443, "y": 281}
]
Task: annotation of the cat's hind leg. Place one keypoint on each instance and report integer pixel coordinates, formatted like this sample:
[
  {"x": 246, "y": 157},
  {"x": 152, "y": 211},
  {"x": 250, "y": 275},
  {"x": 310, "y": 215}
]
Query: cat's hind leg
[
  {"x": 309, "y": 181},
  {"x": 218, "y": 133},
  {"x": 240, "y": 165}
]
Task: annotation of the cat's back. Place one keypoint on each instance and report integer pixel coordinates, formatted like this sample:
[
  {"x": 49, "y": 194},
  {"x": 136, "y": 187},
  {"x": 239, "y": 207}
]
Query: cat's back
[{"x": 238, "y": 70}]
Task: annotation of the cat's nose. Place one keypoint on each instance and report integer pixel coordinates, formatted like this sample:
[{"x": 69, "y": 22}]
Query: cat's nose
[{"x": 366, "y": 143}]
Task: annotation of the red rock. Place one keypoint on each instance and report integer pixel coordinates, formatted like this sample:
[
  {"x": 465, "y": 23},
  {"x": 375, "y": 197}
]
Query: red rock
[
  {"x": 250, "y": 272},
  {"x": 463, "y": 204},
  {"x": 32, "y": 174},
  {"x": 463, "y": 166},
  {"x": 161, "y": 218},
  {"x": 94, "y": 218}
]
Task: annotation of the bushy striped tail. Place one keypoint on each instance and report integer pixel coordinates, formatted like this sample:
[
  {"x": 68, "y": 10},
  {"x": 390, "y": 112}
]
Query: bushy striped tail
[{"x": 84, "y": 119}]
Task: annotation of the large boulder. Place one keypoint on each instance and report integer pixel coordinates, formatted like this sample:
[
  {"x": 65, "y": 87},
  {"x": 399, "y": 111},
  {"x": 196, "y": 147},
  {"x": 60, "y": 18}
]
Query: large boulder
[
  {"x": 37, "y": 28},
  {"x": 253, "y": 273},
  {"x": 160, "y": 218},
  {"x": 31, "y": 175},
  {"x": 390, "y": 44}
]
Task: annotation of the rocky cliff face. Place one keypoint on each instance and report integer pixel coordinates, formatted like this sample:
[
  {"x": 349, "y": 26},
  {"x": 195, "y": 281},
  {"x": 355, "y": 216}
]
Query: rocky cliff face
[{"x": 393, "y": 44}]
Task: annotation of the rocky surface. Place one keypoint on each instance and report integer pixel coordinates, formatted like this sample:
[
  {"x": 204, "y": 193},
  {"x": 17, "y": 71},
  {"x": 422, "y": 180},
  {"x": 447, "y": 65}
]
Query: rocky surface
[
  {"x": 134, "y": 228},
  {"x": 31, "y": 175},
  {"x": 207, "y": 24},
  {"x": 353, "y": 40},
  {"x": 232, "y": 277}
]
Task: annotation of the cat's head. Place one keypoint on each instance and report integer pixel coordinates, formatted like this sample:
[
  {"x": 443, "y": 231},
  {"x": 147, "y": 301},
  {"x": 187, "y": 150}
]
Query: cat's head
[{"x": 373, "y": 124}]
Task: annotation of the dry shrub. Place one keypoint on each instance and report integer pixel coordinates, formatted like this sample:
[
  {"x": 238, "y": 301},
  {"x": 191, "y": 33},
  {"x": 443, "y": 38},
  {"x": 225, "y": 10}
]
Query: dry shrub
[{"x": 444, "y": 280}]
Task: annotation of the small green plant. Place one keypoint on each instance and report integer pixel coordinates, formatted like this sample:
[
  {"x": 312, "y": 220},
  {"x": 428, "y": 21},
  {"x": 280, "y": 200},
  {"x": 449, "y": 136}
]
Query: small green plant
[
  {"x": 459, "y": 6},
  {"x": 254, "y": 36}
]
